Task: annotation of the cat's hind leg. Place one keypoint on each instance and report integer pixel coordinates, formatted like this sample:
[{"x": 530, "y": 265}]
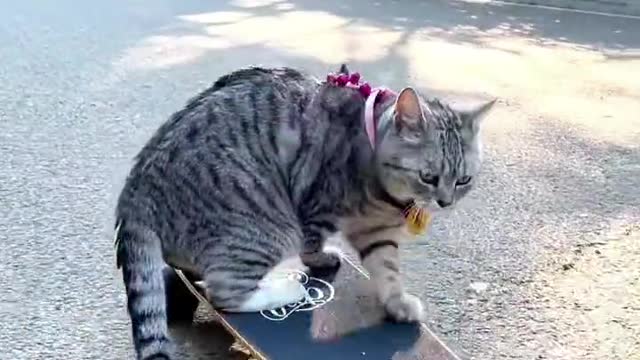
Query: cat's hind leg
[
  {"x": 248, "y": 279},
  {"x": 271, "y": 294}
]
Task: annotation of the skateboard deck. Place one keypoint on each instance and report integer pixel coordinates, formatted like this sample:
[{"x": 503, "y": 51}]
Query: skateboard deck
[{"x": 340, "y": 319}]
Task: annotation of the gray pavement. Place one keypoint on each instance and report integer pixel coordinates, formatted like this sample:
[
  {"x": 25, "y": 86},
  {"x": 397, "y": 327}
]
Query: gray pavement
[{"x": 539, "y": 263}]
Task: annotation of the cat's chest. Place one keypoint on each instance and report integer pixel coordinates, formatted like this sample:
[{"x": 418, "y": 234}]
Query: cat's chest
[{"x": 381, "y": 224}]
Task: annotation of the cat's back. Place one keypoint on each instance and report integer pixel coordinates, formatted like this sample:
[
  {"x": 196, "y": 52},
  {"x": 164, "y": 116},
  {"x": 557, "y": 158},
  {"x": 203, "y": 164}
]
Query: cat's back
[
  {"x": 224, "y": 137},
  {"x": 252, "y": 97}
]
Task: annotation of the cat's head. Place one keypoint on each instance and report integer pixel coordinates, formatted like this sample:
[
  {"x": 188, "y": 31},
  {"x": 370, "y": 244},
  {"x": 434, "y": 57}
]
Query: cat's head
[{"x": 427, "y": 151}]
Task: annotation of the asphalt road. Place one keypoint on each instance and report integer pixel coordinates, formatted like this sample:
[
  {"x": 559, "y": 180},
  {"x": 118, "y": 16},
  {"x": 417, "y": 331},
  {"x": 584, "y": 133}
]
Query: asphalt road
[{"x": 539, "y": 263}]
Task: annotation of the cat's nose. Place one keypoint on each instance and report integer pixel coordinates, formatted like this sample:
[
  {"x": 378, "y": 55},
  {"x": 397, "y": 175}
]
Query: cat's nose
[{"x": 444, "y": 203}]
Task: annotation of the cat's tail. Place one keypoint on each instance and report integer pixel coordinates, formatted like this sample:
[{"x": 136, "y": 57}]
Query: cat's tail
[{"x": 139, "y": 254}]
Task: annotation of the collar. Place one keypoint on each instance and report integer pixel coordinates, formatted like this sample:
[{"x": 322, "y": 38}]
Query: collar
[
  {"x": 372, "y": 97},
  {"x": 389, "y": 199},
  {"x": 376, "y": 96}
]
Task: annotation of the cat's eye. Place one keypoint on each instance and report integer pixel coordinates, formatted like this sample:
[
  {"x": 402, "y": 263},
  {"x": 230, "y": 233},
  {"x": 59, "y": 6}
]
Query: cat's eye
[
  {"x": 428, "y": 178},
  {"x": 463, "y": 180}
]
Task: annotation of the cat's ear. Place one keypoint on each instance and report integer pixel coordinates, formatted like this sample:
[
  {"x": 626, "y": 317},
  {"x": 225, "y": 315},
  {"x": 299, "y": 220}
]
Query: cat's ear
[
  {"x": 408, "y": 111},
  {"x": 472, "y": 118},
  {"x": 344, "y": 69}
]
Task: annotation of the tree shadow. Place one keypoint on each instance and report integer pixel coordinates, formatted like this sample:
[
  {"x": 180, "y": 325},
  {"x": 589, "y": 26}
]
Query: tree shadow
[
  {"x": 472, "y": 23},
  {"x": 467, "y": 22}
]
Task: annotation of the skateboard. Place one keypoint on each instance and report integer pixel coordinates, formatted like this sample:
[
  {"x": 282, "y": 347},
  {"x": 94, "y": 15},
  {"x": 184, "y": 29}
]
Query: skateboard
[{"x": 340, "y": 319}]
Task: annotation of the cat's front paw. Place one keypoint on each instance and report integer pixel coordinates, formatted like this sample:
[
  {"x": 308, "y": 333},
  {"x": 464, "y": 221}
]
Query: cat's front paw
[
  {"x": 327, "y": 259},
  {"x": 404, "y": 308}
]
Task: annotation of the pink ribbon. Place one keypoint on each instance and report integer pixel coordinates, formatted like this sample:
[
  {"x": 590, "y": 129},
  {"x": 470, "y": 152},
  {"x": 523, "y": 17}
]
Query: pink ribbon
[
  {"x": 371, "y": 96},
  {"x": 369, "y": 118}
]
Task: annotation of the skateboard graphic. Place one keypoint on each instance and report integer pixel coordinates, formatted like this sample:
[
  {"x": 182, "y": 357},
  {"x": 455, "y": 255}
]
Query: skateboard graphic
[
  {"x": 340, "y": 319},
  {"x": 319, "y": 292}
]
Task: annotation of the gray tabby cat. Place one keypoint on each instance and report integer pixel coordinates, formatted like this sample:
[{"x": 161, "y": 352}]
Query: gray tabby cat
[{"x": 265, "y": 165}]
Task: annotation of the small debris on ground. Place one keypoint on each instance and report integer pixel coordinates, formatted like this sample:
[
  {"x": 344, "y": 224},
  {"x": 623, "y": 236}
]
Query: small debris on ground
[{"x": 478, "y": 287}]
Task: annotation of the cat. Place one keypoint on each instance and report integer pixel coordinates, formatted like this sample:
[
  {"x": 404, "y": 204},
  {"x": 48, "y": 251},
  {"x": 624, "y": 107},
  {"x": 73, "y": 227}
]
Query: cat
[{"x": 265, "y": 165}]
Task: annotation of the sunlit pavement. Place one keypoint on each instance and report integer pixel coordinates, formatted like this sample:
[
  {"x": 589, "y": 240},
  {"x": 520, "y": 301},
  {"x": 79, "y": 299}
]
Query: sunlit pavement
[{"x": 540, "y": 262}]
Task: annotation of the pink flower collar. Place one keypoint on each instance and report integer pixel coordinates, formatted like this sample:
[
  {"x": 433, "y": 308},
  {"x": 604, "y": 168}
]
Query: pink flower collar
[{"x": 372, "y": 96}]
